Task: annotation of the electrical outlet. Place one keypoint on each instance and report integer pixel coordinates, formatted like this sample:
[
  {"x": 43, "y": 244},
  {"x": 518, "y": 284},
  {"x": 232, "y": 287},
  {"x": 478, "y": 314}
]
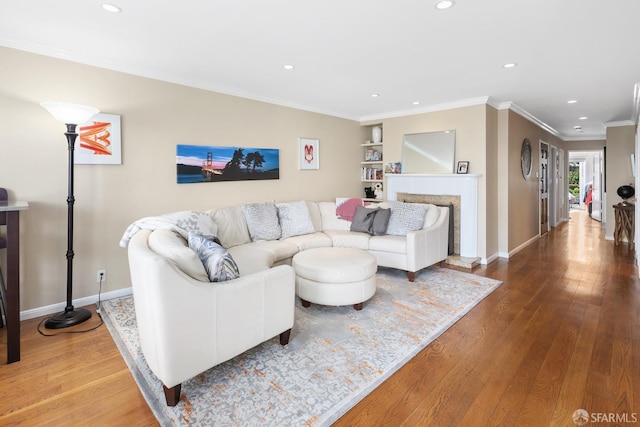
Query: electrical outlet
[{"x": 101, "y": 276}]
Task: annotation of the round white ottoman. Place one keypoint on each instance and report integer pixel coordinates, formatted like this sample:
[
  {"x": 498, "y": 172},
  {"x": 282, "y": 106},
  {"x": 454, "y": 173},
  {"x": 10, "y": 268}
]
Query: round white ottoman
[{"x": 335, "y": 276}]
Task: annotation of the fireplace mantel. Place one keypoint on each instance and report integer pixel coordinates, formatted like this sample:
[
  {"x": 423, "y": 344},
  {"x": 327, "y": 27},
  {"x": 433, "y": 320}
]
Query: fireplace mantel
[{"x": 463, "y": 185}]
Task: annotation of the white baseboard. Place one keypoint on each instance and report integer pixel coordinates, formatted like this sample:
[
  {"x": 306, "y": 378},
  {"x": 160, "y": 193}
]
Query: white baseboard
[
  {"x": 56, "y": 308},
  {"x": 522, "y": 246}
]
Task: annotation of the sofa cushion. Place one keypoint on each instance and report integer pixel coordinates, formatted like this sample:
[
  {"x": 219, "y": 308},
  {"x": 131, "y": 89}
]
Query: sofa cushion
[
  {"x": 394, "y": 244},
  {"x": 310, "y": 241},
  {"x": 330, "y": 221},
  {"x": 217, "y": 261},
  {"x": 294, "y": 219},
  {"x": 349, "y": 239},
  {"x": 251, "y": 259},
  {"x": 174, "y": 247},
  {"x": 232, "y": 226},
  {"x": 314, "y": 213},
  {"x": 262, "y": 221},
  {"x": 405, "y": 217},
  {"x": 346, "y": 207}
]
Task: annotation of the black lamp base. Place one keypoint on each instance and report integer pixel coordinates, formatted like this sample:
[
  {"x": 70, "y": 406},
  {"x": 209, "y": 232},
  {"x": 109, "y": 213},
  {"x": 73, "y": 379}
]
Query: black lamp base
[{"x": 67, "y": 318}]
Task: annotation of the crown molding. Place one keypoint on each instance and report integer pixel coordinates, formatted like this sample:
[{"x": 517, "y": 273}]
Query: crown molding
[
  {"x": 510, "y": 105},
  {"x": 427, "y": 109},
  {"x": 619, "y": 123}
]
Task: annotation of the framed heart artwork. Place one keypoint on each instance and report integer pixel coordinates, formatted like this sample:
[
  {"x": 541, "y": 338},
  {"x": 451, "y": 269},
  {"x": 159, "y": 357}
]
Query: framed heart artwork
[{"x": 308, "y": 153}]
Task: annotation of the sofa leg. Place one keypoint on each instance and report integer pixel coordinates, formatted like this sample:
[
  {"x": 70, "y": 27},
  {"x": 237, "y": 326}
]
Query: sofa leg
[
  {"x": 284, "y": 337},
  {"x": 358, "y": 306},
  {"x": 172, "y": 395},
  {"x": 411, "y": 275},
  {"x": 305, "y": 303}
]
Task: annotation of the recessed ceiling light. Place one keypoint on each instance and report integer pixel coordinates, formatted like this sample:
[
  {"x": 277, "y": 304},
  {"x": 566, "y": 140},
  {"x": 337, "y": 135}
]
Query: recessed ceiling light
[
  {"x": 289, "y": 67},
  {"x": 509, "y": 65},
  {"x": 572, "y": 101},
  {"x": 416, "y": 102},
  {"x": 375, "y": 95},
  {"x": 444, "y": 4},
  {"x": 583, "y": 118},
  {"x": 111, "y": 8}
]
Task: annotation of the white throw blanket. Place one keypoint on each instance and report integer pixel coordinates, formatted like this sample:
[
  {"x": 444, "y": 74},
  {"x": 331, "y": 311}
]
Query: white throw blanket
[{"x": 181, "y": 222}]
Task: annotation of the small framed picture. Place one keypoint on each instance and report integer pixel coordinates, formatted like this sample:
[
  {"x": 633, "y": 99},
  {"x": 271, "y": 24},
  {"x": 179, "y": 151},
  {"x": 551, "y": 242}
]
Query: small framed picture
[
  {"x": 308, "y": 154},
  {"x": 463, "y": 166}
]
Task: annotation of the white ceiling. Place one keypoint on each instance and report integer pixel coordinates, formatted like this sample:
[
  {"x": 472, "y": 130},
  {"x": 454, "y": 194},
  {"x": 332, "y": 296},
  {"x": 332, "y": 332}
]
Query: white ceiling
[{"x": 346, "y": 50}]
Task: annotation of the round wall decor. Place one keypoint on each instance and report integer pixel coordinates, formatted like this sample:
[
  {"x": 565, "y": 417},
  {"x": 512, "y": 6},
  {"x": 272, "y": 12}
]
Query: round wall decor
[{"x": 525, "y": 158}]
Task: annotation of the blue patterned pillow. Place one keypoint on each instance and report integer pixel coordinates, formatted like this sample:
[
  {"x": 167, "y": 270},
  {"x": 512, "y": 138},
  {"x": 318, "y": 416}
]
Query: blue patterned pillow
[
  {"x": 216, "y": 260},
  {"x": 405, "y": 217}
]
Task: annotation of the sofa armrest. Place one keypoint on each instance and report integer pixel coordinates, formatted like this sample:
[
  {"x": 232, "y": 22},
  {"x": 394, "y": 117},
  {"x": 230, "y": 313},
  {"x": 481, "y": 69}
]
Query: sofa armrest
[
  {"x": 187, "y": 326},
  {"x": 429, "y": 245}
]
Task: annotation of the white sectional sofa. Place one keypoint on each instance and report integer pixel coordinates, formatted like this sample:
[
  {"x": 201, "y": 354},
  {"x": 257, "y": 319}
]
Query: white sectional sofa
[{"x": 188, "y": 324}]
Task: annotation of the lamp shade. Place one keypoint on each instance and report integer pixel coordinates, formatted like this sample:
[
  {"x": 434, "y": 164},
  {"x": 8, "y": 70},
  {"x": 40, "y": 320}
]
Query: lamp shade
[{"x": 70, "y": 113}]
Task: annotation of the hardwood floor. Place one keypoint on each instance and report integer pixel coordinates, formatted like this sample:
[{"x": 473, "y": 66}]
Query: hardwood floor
[{"x": 560, "y": 334}]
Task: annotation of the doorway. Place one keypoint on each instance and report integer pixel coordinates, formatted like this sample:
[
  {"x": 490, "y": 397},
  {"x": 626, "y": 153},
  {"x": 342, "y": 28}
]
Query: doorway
[
  {"x": 544, "y": 188},
  {"x": 586, "y": 170}
]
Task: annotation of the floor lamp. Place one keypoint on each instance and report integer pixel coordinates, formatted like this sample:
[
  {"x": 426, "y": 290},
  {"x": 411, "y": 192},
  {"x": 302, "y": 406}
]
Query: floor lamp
[{"x": 71, "y": 115}]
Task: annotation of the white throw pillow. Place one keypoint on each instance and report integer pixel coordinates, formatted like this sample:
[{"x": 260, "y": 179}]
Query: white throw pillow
[
  {"x": 262, "y": 220},
  {"x": 294, "y": 219},
  {"x": 405, "y": 217}
]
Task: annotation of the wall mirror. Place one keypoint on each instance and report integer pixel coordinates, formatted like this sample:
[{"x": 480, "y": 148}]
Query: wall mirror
[{"x": 431, "y": 152}]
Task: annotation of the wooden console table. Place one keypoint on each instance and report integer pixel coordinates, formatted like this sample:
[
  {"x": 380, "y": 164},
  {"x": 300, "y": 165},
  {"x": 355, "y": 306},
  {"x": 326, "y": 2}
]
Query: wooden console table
[
  {"x": 625, "y": 222},
  {"x": 13, "y": 277}
]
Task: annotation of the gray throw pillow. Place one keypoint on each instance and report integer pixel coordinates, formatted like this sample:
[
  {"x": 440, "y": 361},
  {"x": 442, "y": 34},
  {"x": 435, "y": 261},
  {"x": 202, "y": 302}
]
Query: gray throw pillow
[
  {"x": 262, "y": 220},
  {"x": 380, "y": 222},
  {"x": 217, "y": 261},
  {"x": 363, "y": 219},
  {"x": 405, "y": 217}
]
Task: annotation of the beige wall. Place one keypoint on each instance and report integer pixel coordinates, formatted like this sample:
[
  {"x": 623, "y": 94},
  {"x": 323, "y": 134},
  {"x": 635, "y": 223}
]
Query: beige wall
[
  {"x": 155, "y": 117},
  {"x": 620, "y": 145},
  {"x": 470, "y": 124},
  {"x": 523, "y": 202}
]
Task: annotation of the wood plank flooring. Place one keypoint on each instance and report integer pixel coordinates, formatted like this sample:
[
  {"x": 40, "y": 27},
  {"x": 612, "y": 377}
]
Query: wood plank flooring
[{"x": 561, "y": 333}]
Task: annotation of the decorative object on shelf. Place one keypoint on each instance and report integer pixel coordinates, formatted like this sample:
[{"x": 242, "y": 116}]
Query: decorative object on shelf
[
  {"x": 309, "y": 153},
  {"x": 201, "y": 163},
  {"x": 100, "y": 141},
  {"x": 71, "y": 115},
  {"x": 463, "y": 167},
  {"x": 525, "y": 158},
  {"x": 369, "y": 193},
  {"x": 376, "y": 134},
  {"x": 378, "y": 193},
  {"x": 393, "y": 167},
  {"x": 626, "y": 192}
]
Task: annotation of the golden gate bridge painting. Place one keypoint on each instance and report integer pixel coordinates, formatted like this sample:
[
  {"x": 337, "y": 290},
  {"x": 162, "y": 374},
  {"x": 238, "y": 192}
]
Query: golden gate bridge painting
[{"x": 199, "y": 163}]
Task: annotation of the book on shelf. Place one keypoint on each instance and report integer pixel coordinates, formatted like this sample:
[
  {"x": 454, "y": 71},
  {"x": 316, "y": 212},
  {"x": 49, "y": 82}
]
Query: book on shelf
[{"x": 370, "y": 174}]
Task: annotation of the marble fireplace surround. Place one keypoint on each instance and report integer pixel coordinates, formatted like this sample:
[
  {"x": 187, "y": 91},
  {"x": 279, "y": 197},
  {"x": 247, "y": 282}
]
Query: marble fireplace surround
[{"x": 460, "y": 189}]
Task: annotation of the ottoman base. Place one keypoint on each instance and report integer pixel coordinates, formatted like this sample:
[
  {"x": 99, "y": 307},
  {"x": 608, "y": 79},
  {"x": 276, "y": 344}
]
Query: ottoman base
[{"x": 349, "y": 293}]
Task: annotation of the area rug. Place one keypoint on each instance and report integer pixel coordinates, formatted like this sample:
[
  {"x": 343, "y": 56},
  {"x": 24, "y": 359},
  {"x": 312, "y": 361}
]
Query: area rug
[{"x": 335, "y": 357}]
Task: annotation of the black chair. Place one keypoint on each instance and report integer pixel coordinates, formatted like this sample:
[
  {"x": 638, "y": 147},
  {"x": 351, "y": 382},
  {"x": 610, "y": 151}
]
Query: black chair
[{"x": 3, "y": 245}]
